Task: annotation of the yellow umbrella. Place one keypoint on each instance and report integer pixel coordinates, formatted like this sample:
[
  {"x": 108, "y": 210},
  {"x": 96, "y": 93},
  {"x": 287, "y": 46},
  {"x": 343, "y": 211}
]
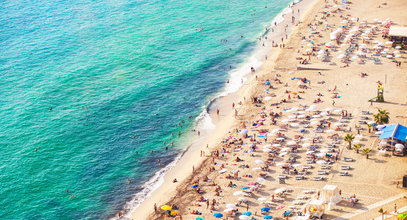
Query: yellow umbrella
[{"x": 166, "y": 207}]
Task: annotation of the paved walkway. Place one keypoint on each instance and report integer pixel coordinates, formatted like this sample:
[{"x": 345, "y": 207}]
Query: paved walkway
[{"x": 370, "y": 207}]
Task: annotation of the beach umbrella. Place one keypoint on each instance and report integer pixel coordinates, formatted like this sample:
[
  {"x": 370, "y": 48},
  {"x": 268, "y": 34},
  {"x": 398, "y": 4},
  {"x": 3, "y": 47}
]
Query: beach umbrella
[
  {"x": 306, "y": 144},
  {"x": 245, "y": 187},
  {"x": 223, "y": 170},
  {"x": 261, "y": 180},
  {"x": 297, "y": 165},
  {"x": 341, "y": 56},
  {"x": 268, "y": 217},
  {"x": 301, "y": 116},
  {"x": 245, "y": 131},
  {"x": 389, "y": 56},
  {"x": 195, "y": 186},
  {"x": 324, "y": 114},
  {"x": 199, "y": 219},
  {"x": 267, "y": 145},
  {"x": 276, "y": 145},
  {"x": 329, "y": 109},
  {"x": 329, "y": 131},
  {"x": 267, "y": 98},
  {"x": 241, "y": 199},
  {"x": 291, "y": 143},
  {"x": 247, "y": 213},
  {"x": 218, "y": 215},
  {"x": 358, "y": 136},
  {"x": 320, "y": 162},
  {"x": 280, "y": 190},
  {"x": 314, "y": 122},
  {"x": 259, "y": 162},
  {"x": 230, "y": 206},
  {"x": 262, "y": 199},
  {"x": 398, "y": 47},
  {"x": 284, "y": 149},
  {"x": 338, "y": 110},
  {"x": 316, "y": 116},
  {"x": 383, "y": 143},
  {"x": 280, "y": 139},
  {"x": 284, "y": 121},
  {"x": 256, "y": 169},
  {"x": 396, "y": 51},
  {"x": 267, "y": 150},
  {"x": 166, "y": 207},
  {"x": 280, "y": 207},
  {"x": 310, "y": 152},
  {"x": 398, "y": 56},
  {"x": 282, "y": 154},
  {"x": 244, "y": 217},
  {"x": 238, "y": 193},
  {"x": 265, "y": 209},
  {"x": 389, "y": 42},
  {"x": 227, "y": 210},
  {"x": 379, "y": 132}
]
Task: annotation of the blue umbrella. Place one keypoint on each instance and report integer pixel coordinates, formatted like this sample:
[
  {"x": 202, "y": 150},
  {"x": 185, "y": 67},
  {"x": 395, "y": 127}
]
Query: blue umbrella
[
  {"x": 246, "y": 187},
  {"x": 218, "y": 215},
  {"x": 195, "y": 186},
  {"x": 268, "y": 217},
  {"x": 265, "y": 209},
  {"x": 267, "y": 83},
  {"x": 199, "y": 219},
  {"x": 247, "y": 213}
]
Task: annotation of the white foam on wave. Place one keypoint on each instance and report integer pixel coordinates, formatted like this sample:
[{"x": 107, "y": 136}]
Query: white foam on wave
[
  {"x": 204, "y": 121},
  {"x": 148, "y": 188}
]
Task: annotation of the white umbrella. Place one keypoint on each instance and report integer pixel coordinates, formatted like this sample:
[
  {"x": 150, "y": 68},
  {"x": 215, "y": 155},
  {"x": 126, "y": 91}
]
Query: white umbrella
[
  {"x": 383, "y": 143},
  {"x": 282, "y": 154},
  {"x": 306, "y": 144},
  {"x": 329, "y": 131},
  {"x": 267, "y": 98},
  {"x": 310, "y": 152},
  {"x": 396, "y": 51},
  {"x": 314, "y": 122},
  {"x": 267, "y": 145},
  {"x": 301, "y": 116},
  {"x": 358, "y": 136},
  {"x": 324, "y": 150},
  {"x": 256, "y": 169},
  {"x": 238, "y": 193},
  {"x": 244, "y": 217},
  {"x": 379, "y": 132},
  {"x": 280, "y": 139},
  {"x": 280, "y": 190},
  {"x": 297, "y": 165},
  {"x": 338, "y": 124},
  {"x": 389, "y": 56},
  {"x": 316, "y": 116},
  {"x": 267, "y": 150},
  {"x": 260, "y": 180},
  {"x": 320, "y": 162},
  {"x": 389, "y": 42},
  {"x": 338, "y": 110},
  {"x": 223, "y": 170},
  {"x": 341, "y": 56},
  {"x": 242, "y": 199},
  {"x": 276, "y": 145},
  {"x": 291, "y": 143},
  {"x": 259, "y": 162},
  {"x": 276, "y": 129},
  {"x": 285, "y": 149},
  {"x": 231, "y": 206},
  {"x": 398, "y": 56},
  {"x": 294, "y": 125},
  {"x": 262, "y": 199},
  {"x": 228, "y": 210},
  {"x": 398, "y": 47},
  {"x": 324, "y": 113},
  {"x": 329, "y": 109}
]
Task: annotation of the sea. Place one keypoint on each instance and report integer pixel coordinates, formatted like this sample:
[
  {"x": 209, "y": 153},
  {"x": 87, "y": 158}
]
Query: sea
[{"x": 96, "y": 97}]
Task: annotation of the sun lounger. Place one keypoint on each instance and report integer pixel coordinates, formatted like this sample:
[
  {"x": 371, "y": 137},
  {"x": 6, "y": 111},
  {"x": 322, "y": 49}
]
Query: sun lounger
[
  {"x": 322, "y": 172},
  {"x": 326, "y": 167},
  {"x": 345, "y": 167},
  {"x": 308, "y": 166},
  {"x": 344, "y": 173},
  {"x": 366, "y": 112},
  {"x": 299, "y": 177},
  {"x": 318, "y": 178},
  {"x": 297, "y": 202},
  {"x": 347, "y": 159},
  {"x": 282, "y": 176}
]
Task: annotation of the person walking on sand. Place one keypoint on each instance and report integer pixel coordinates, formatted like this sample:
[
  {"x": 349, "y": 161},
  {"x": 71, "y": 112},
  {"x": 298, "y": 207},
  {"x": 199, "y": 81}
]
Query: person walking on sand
[
  {"x": 217, "y": 112},
  {"x": 155, "y": 207},
  {"x": 333, "y": 102}
]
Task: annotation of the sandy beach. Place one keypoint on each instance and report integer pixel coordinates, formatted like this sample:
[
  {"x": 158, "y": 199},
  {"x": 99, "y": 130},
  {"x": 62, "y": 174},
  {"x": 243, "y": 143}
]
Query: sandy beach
[{"x": 289, "y": 122}]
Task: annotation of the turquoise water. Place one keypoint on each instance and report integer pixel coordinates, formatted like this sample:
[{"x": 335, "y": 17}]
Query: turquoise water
[{"x": 89, "y": 88}]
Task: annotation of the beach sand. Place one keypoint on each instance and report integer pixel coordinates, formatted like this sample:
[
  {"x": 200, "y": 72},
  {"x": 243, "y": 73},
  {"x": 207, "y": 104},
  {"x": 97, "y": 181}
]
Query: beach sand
[{"x": 372, "y": 180}]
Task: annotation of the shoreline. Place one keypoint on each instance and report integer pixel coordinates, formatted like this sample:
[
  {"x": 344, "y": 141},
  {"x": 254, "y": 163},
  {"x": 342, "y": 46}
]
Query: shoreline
[{"x": 181, "y": 168}]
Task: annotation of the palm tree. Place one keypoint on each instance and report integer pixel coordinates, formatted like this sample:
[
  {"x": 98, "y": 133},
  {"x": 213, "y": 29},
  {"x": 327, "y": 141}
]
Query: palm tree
[
  {"x": 383, "y": 212},
  {"x": 369, "y": 127},
  {"x": 349, "y": 138},
  {"x": 382, "y": 117},
  {"x": 366, "y": 152},
  {"x": 357, "y": 147}
]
